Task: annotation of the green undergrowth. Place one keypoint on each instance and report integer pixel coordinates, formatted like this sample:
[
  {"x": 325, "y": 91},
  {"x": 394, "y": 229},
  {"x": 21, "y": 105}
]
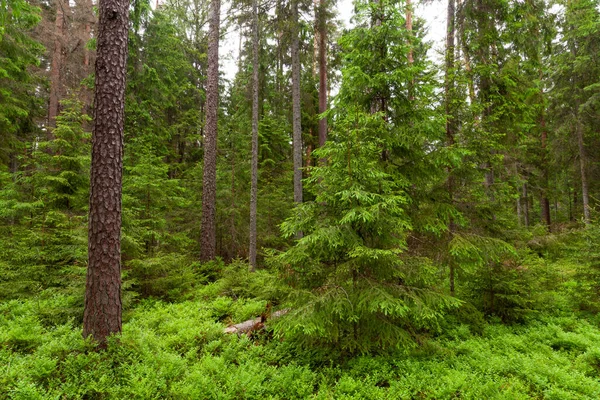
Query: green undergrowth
[{"x": 179, "y": 351}]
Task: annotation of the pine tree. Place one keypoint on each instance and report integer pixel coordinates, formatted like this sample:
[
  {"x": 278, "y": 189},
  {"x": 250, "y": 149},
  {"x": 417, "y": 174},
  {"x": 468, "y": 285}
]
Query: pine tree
[
  {"x": 57, "y": 67},
  {"x": 296, "y": 112},
  {"x": 102, "y": 315},
  {"x": 321, "y": 17},
  {"x": 208, "y": 235},
  {"x": 254, "y": 166}
]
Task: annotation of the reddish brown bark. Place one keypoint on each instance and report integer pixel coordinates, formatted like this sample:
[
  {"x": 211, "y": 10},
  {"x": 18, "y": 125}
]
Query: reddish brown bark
[
  {"x": 87, "y": 32},
  {"x": 208, "y": 239},
  {"x": 102, "y": 314},
  {"x": 56, "y": 65}
]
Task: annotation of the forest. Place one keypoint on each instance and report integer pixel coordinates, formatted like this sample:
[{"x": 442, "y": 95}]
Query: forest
[{"x": 260, "y": 200}]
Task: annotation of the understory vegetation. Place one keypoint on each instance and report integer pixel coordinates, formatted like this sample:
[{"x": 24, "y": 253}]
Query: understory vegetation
[
  {"x": 393, "y": 224},
  {"x": 177, "y": 349}
]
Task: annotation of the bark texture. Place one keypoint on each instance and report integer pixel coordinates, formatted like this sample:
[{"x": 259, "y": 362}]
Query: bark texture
[
  {"x": 102, "y": 314},
  {"x": 208, "y": 239},
  {"x": 254, "y": 167},
  {"x": 296, "y": 123}
]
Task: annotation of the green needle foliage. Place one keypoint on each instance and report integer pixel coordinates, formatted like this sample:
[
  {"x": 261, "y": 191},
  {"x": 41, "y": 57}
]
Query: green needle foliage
[{"x": 352, "y": 286}]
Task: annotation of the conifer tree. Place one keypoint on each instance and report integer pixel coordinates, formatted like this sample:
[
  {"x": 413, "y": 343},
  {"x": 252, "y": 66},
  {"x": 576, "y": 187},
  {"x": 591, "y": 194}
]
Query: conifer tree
[
  {"x": 57, "y": 67},
  {"x": 19, "y": 104},
  {"x": 254, "y": 166},
  {"x": 574, "y": 95},
  {"x": 354, "y": 289},
  {"x": 296, "y": 111},
  {"x": 209, "y": 187},
  {"x": 323, "y": 88},
  {"x": 103, "y": 307}
]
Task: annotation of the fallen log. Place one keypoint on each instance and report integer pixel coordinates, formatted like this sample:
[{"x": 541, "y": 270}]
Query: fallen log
[{"x": 253, "y": 324}]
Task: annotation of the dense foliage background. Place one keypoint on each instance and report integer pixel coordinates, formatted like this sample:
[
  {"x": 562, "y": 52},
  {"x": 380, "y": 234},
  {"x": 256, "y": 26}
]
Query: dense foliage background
[{"x": 446, "y": 246}]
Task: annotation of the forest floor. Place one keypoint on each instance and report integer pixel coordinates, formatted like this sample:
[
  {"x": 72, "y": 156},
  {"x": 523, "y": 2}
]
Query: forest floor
[{"x": 179, "y": 351}]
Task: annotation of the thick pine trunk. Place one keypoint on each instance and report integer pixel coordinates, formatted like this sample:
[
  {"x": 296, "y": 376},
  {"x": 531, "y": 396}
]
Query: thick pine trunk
[
  {"x": 254, "y": 183},
  {"x": 102, "y": 315},
  {"x": 208, "y": 239},
  {"x": 296, "y": 122}
]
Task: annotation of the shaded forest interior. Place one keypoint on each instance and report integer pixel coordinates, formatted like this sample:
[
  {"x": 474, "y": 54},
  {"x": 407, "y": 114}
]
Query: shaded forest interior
[{"x": 408, "y": 215}]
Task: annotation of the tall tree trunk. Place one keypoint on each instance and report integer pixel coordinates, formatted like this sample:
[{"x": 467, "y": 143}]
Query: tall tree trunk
[
  {"x": 280, "y": 52},
  {"x": 102, "y": 314},
  {"x": 296, "y": 122},
  {"x": 526, "y": 205},
  {"x": 572, "y": 206},
  {"x": 208, "y": 239},
  {"x": 583, "y": 167},
  {"x": 232, "y": 229},
  {"x": 470, "y": 82},
  {"x": 409, "y": 28},
  {"x": 519, "y": 212},
  {"x": 322, "y": 71},
  {"x": 545, "y": 203},
  {"x": 88, "y": 11},
  {"x": 519, "y": 209},
  {"x": 254, "y": 167},
  {"x": 450, "y": 119},
  {"x": 57, "y": 62}
]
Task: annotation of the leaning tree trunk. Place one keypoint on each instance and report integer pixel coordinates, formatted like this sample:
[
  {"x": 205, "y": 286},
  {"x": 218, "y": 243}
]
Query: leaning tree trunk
[
  {"x": 254, "y": 183},
  {"x": 102, "y": 314},
  {"x": 208, "y": 239},
  {"x": 296, "y": 123}
]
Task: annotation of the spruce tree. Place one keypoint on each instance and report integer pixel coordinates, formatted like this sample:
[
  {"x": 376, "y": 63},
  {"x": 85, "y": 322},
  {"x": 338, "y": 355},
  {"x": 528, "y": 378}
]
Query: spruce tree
[{"x": 353, "y": 286}]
